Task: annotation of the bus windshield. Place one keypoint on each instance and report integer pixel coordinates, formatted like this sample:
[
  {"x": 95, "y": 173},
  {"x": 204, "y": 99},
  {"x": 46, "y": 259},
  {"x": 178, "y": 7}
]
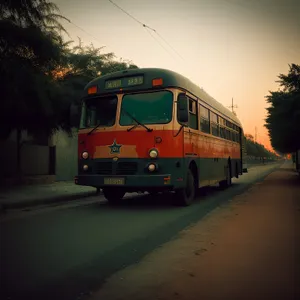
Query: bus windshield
[
  {"x": 148, "y": 108},
  {"x": 100, "y": 112}
]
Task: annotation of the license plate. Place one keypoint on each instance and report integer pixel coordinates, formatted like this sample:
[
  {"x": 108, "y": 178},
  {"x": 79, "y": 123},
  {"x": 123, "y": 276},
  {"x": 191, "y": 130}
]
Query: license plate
[{"x": 114, "y": 181}]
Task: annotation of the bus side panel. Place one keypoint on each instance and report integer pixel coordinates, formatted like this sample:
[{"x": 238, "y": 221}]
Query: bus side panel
[{"x": 211, "y": 156}]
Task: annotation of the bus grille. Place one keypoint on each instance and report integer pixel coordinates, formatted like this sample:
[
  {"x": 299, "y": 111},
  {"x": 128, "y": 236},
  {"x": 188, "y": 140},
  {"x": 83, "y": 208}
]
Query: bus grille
[
  {"x": 127, "y": 168},
  {"x": 104, "y": 168}
]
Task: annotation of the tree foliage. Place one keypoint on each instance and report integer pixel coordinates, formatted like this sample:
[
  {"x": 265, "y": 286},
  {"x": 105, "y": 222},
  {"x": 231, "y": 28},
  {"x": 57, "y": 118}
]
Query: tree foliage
[
  {"x": 29, "y": 51},
  {"x": 41, "y": 74},
  {"x": 81, "y": 65},
  {"x": 283, "y": 119},
  {"x": 257, "y": 150},
  {"x": 84, "y": 63}
]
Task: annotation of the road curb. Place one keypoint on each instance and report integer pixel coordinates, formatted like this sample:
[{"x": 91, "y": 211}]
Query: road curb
[{"x": 49, "y": 200}]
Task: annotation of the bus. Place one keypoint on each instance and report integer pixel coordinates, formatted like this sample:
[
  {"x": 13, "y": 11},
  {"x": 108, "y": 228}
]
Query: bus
[{"x": 153, "y": 130}]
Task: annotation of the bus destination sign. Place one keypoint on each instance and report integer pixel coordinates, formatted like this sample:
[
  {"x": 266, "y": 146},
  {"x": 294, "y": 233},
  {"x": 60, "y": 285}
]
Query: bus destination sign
[{"x": 124, "y": 82}]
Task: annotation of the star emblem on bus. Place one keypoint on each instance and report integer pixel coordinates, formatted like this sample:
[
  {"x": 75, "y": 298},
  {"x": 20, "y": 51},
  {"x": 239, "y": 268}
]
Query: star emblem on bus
[{"x": 115, "y": 148}]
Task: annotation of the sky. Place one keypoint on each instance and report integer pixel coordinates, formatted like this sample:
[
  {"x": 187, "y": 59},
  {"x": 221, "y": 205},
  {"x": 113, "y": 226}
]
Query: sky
[{"x": 231, "y": 48}]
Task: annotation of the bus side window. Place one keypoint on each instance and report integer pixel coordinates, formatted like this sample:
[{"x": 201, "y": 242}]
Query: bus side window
[
  {"x": 214, "y": 124},
  {"x": 204, "y": 119},
  {"x": 236, "y": 137},
  {"x": 222, "y": 128},
  {"x": 233, "y": 136},
  {"x": 227, "y": 134},
  {"x": 193, "y": 116}
]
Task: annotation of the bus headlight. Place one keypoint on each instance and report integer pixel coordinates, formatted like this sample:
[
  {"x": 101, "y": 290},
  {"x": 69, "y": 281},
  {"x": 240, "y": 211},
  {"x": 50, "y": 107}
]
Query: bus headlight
[
  {"x": 153, "y": 153},
  {"x": 85, "y": 155},
  {"x": 152, "y": 167}
]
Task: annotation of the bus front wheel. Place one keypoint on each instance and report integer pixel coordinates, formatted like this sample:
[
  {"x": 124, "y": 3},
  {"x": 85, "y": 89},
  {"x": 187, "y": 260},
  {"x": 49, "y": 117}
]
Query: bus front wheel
[
  {"x": 185, "y": 196},
  {"x": 113, "y": 195}
]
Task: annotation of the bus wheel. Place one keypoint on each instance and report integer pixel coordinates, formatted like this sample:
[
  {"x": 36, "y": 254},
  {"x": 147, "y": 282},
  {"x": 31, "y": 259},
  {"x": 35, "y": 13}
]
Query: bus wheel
[
  {"x": 236, "y": 171},
  {"x": 185, "y": 196},
  {"x": 227, "y": 182},
  {"x": 113, "y": 195}
]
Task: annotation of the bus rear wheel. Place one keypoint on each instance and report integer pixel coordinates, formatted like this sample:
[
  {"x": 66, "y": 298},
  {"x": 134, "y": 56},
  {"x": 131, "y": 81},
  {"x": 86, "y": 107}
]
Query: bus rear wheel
[
  {"x": 185, "y": 196},
  {"x": 228, "y": 181},
  {"x": 113, "y": 195}
]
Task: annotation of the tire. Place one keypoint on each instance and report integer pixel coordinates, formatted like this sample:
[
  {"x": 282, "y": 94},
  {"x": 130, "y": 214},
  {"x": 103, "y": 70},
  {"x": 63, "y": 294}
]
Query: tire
[
  {"x": 185, "y": 196},
  {"x": 228, "y": 181},
  {"x": 236, "y": 171},
  {"x": 113, "y": 195}
]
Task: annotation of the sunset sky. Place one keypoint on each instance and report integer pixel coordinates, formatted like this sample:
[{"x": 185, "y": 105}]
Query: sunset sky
[{"x": 231, "y": 48}]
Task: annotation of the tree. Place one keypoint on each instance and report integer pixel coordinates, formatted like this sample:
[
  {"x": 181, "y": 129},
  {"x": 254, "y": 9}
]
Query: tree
[
  {"x": 291, "y": 82},
  {"x": 30, "y": 48},
  {"x": 283, "y": 119},
  {"x": 249, "y": 136},
  {"x": 41, "y": 75},
  {"x": 257, "y": 150}
]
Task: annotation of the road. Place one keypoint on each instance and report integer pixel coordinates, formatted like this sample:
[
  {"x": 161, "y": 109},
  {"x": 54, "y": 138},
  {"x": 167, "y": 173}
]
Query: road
[{"x": 65, "y": 252}]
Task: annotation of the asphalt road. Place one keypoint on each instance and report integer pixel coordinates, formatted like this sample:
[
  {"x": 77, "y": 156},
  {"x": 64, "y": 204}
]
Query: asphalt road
[{"x": 65, "y": 252}]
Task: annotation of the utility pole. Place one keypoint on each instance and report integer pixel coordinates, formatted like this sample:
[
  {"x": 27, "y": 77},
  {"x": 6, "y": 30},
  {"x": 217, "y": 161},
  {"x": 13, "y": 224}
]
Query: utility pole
[
  {"x": 232, "y": 107},
  {"x": 255, "y": 137}
]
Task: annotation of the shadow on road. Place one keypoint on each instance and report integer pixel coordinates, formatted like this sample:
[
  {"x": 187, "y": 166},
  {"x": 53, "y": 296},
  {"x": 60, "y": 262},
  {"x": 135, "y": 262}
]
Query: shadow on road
[{"x": 159, "y": 201}]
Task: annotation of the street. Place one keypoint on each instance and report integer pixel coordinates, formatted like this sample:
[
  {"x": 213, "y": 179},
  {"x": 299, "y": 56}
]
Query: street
[{"x": 67, "y": 251}]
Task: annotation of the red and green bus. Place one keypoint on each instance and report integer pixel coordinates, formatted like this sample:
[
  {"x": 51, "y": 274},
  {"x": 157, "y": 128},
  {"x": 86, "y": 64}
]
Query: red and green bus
[{"x": 153, "y": 130}]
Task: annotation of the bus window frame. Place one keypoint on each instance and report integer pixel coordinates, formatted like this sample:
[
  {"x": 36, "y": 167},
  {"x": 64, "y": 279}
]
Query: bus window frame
[
  {"x": 148, "y": 92},
  {"x": 195, "y": 112},
  {"x": 213, "y": 123},
  {"x": 200, "y": 106}
]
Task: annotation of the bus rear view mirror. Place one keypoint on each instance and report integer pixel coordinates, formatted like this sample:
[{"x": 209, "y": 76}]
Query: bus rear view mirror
[{"x": 182, "y": 109}]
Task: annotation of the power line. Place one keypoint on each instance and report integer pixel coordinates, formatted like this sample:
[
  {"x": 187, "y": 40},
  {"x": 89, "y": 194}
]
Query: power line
[
  {"x": 149, "y": 32},
  {"x": 131, "y": 16},
  {"x": 85, "y": 32},
  {"x": 145, "y": 26},
  {"x": 170, "y": 46}
]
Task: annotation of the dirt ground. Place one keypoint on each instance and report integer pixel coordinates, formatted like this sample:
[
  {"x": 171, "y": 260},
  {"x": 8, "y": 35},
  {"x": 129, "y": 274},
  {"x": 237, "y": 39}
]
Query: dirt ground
[{"x": 248, "y": 249}]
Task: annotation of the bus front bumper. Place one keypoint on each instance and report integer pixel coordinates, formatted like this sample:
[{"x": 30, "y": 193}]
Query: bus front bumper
[{"x": 128, "y": 181}]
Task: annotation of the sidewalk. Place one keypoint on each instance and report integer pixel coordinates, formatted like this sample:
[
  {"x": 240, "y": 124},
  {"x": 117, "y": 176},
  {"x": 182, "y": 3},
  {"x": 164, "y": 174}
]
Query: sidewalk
[
  {"x": 247, "y": 249},
  {"x": 32, "y": 195}
]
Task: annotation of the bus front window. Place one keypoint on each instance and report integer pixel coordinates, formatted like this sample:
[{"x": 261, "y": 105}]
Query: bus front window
[
  {"x": 99, "y": 112},
  {"x": 148, "y": 108}
]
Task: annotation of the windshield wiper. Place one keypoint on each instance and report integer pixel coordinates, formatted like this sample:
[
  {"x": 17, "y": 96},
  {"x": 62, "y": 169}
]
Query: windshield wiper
[
  {"x": 90, "y": 132},
  {"x": 137, "y": 121},
  {"x": 181, "y": 127}
]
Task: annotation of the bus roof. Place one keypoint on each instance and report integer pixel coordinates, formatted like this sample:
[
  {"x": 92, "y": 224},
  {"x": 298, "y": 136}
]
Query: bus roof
[{"x": 170, "y": 79}]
